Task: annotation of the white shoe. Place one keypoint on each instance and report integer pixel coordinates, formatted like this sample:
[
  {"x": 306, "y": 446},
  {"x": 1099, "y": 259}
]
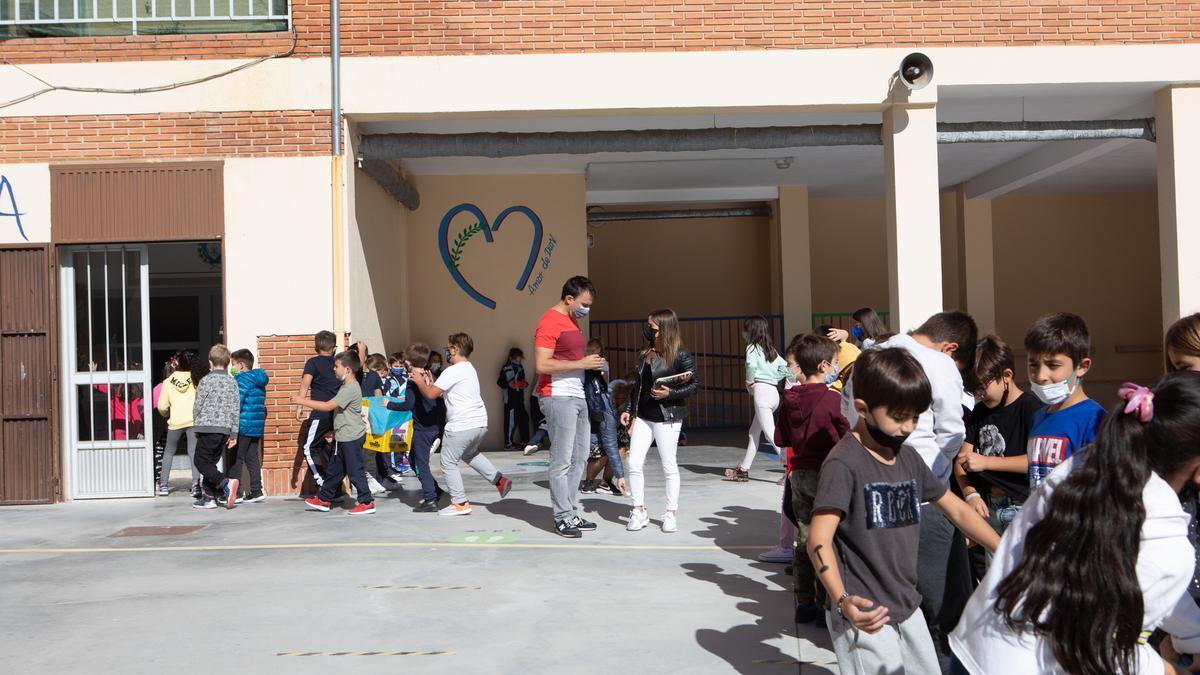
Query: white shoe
[
  {"x": 637, "y": 520},
  {"x": 453, "y": 509},
  {"x": 669, "y": 522},
  {"x": 375, "y": 486},
  {"x": 433, "y": 447},
  {"x": 530, "y": 449},
  {"x": 778, "y": 554}
]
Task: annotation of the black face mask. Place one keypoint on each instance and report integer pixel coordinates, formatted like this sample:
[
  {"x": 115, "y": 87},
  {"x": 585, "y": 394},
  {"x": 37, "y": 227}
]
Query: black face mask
[
  {"x": 649, "y": 332},
  {"x": 893, "y": 443}
]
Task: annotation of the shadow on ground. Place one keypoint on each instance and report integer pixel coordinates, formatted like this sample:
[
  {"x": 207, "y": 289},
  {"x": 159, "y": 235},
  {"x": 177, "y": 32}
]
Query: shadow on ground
[{"x": 748, "y": 648}]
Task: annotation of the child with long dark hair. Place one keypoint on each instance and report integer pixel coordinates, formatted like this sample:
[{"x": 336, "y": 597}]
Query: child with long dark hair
[
  {"x": 765, "y": 367},
  {"x": 1099, "y": 556}
]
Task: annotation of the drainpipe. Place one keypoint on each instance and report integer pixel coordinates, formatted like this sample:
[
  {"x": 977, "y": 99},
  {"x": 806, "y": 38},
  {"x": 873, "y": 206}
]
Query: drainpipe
[
  {"x": 336, "y": 181},
  {"x": 596, "y": 217}
]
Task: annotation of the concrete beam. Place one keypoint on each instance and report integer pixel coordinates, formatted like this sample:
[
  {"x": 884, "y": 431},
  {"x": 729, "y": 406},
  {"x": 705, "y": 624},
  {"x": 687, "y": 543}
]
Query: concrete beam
[
  {"x": 393, "y": 181},
  {"x": 1038, "y": 165}
]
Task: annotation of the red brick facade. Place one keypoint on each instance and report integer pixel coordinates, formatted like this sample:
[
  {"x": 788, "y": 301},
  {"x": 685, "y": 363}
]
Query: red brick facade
[
  {"x": 284, "y": 468},
  {"x": 165, "y": 135},
  {"x": 391, "y": 28}
]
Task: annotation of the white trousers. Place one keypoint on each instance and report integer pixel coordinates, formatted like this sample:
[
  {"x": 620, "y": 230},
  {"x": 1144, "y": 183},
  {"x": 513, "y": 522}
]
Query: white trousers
[
  {"x": 766, "y": 402},
  {"x": 667, "y": 437}
]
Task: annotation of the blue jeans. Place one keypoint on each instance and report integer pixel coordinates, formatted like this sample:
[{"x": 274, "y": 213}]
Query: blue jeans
[{"x": 608, "y": 440}]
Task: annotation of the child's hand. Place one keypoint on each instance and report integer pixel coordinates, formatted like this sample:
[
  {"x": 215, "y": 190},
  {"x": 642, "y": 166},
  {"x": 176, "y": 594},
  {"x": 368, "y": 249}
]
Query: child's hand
[
  {"x": 973, "y": 462},
  {"x": 837, "y": 335},
  {"x": 864, "y": 614},
  {"x": 979, "y": 505},
  {"x": 230, "y": 443},
  {"x": 297, "y": 399}
]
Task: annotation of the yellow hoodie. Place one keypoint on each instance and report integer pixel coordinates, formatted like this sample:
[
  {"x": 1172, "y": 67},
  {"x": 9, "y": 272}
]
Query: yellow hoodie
[{"x": 178, "y": 396}]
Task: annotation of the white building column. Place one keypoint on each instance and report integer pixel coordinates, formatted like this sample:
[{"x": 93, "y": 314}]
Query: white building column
[
  {"x": 1177, "y": 119},
  {"x": 913, "y": 214},
  {"x": 977, "y": 259},
  {"x": 795, "y": 260}
]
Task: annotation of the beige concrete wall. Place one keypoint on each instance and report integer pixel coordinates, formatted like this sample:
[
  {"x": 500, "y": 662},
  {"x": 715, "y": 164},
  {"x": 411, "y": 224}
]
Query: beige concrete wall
[
  {"x": 439, "y": 307},
  {"x": 377, "y": 269},
  {"x": 1095, "y": 255},
  {"x": 849, "y": 263},
  {"x": 698, "y": 267}
]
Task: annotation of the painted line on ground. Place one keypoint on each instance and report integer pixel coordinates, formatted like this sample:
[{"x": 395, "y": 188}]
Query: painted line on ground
[
  {"x": 385, "y": 587},
  {"x": 364, "y": 654},
  {"x": 398, "y": 544}
]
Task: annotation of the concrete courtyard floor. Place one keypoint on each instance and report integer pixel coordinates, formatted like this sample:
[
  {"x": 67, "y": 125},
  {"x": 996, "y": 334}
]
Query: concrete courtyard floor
[{"x": 271, "y": 587}]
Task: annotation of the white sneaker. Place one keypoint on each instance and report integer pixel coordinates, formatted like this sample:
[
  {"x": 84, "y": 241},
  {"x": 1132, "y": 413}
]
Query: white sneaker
[
  {"x": 637, "y": 520},
  {"x": 433, "y": 447},
  {"x": 376, "y": 487},
  {"x": 453, "y": 509},
  {"x": 530, "y": 449},
  {"x": 669, "y": 522},
  {"x": 778, "y": 554}
]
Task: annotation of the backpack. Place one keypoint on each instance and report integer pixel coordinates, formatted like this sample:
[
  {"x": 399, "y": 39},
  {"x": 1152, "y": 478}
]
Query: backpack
[{"x": 595, "y": 393}]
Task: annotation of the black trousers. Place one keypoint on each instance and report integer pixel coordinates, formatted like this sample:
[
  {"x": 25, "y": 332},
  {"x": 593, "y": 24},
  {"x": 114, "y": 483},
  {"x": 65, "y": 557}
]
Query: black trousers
[
  {"x": 516, "y": 418},
  {"x": 209, "y": 448},
  {"x": 346, "y": 460},
  {"x": 248, "y": 453}
]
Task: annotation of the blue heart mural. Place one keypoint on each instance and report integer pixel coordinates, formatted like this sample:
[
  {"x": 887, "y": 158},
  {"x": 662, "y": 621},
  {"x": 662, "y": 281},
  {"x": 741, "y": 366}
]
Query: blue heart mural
[{"x": 452, "y": 253}]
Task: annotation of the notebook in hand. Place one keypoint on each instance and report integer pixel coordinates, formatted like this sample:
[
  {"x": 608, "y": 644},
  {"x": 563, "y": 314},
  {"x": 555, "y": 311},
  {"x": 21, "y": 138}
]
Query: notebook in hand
[{"x": 673, "y": 380}]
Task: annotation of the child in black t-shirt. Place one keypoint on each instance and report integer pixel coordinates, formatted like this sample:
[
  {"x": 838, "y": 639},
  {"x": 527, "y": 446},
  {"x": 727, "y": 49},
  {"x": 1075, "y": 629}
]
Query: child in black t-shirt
[
  {"x": 318, "y": 383},
  {"x": 992, "y": 466},
  {"x": 866, "y": 522}
]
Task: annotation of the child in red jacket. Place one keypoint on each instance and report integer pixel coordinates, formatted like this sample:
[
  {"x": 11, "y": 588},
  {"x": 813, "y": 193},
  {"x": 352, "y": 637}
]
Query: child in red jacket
[{"x": 810, "y": 422}]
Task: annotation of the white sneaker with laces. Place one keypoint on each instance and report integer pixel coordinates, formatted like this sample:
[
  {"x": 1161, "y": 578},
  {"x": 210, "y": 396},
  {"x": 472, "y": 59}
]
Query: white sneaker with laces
[
  {"x": 637, "y": 520},
  {"x": 433, "y": 447},
  {"x": 778, "y": 554},
  {"x": 376, "y": 487},
  {"x": 530, "y": 449},
  {"x": 669, "y": 524}
]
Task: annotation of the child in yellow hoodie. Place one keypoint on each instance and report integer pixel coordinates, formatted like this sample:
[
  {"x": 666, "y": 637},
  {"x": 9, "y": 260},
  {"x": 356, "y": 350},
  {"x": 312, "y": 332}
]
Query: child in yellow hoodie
[{"x": 175, "y": 403}]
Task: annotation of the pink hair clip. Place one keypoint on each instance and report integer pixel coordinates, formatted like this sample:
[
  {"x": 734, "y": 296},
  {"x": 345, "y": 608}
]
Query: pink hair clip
[{"x": 1138, "y": 398}]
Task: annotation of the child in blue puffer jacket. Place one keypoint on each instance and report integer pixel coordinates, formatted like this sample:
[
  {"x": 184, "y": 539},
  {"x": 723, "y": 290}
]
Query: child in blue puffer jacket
[{"x": 252, "y": 391}]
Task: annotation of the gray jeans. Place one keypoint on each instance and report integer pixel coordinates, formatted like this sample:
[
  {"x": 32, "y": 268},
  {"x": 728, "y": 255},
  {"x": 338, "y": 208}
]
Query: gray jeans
[
  {"x": 570, "y": 432},
  {"x": 897, "y": 649},
  {"x": 463, "y": 446},
  {"x": 173, "y": 436}
]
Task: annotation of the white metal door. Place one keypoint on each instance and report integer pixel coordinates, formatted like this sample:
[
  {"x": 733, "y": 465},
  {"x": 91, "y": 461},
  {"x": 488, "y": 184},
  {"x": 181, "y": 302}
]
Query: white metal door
[{"x": 106, "y": 359}]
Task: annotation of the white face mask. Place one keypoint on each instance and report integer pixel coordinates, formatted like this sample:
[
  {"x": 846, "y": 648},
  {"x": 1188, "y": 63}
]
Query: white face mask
[
  {"x": 580, "y": 312},
  {"x": 1054, "y": 393}
]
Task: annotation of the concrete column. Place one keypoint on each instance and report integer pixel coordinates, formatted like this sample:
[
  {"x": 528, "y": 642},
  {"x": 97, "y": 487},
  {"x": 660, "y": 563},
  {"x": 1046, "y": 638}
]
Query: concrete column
[
  {"x": 1178, "y": 127},
  {"x": 976, "y": 260},
  {"x": 795, "y": 269},
  {"x": 913, "y": 217}
]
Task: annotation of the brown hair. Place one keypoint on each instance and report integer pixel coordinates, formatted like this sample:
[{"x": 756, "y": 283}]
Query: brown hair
[
  {"x": 669, "y": 341},
  {"x": 809, "y": 351},
  {"x": 992, "y": 357},
  {"x": 243, "y": 357},
  {"x": 1184, "y": 338},
  {"x": 595, "y": 345},
  {"x": 463, "y": 342},
  {"x": 219, "y": 355},
  {"x": 376, "y": 362},
  {"x": 418, "y": 354}
]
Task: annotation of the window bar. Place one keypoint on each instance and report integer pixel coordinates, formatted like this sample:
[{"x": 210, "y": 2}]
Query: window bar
[
  {"x": 193, "y": 7},
  {"x": 230, "y": 9},
  {"x": 91, "y": 356},
  {"x": 108, "y": 349},
  {"x": 96, "y": 9},
  {"x": 212, "y": 8},
  {"x": 172, "y": 9},
  {"x": 55, "y": 9},
  {"x": 125, "y": 343},
  {"x": 37, "y": 10}
]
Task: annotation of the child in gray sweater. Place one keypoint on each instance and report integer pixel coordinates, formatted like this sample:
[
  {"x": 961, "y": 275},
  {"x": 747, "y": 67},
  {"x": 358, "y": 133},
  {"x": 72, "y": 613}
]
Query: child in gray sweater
[{"x": 215, "y": 422}]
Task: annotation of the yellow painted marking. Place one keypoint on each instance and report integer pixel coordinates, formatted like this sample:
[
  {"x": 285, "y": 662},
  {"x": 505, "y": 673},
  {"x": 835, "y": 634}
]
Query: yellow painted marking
[{"x": 373, "y": 544}]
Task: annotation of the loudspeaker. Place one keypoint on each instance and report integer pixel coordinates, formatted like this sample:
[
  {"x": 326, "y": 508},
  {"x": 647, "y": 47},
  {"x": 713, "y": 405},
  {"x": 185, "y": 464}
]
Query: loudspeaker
[{"x": 916, "y": 71}]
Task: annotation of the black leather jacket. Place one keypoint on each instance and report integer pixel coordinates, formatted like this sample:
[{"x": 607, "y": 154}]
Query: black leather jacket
[{"x": 674, "y": 406}]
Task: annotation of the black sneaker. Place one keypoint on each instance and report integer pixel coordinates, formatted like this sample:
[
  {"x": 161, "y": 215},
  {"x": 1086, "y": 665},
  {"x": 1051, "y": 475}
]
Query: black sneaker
[
  {"x": 583, "y": 525},
  {"x": 567, "y": 529},
  {"x": 808, "y": 613},
  {"x": 587, "y": 487},
  {"x": 426, "y": 506},
  {"x": 254, "y": 497}
]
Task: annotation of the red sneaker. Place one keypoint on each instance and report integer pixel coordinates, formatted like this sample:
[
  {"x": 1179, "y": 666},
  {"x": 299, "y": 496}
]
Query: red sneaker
[
  {"x": 316, "y": 504},
  {"x": 503, "y": 486},
  {"x": 363, "y": 509}
]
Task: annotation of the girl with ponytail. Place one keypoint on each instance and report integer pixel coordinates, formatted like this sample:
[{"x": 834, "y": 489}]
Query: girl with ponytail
[{"x": 1099, "y": 556}]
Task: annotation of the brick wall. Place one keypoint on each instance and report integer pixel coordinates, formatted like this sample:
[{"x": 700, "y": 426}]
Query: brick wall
[
  {"x": 393, "y": 28},
  {"x": 284, "y": 469},
  {"x": 164, "y": 135}
]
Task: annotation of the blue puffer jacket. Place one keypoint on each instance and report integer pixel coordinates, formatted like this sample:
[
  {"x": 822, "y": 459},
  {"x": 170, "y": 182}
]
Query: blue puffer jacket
[{"x": 252, "y": 390}]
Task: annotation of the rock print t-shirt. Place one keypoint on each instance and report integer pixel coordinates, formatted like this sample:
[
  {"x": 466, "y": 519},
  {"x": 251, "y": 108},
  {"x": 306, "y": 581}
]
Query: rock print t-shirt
[{"x": 876, "y": 541}]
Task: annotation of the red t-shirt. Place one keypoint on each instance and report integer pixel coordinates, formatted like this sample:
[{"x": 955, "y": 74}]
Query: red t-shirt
[{"x": 561, "y": 333}]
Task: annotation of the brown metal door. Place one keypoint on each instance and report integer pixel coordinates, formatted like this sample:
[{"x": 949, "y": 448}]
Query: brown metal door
[{"x": 29, "y": 466}]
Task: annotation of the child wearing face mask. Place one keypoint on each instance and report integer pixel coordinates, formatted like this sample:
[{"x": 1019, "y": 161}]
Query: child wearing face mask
[
  {"x": 866, "y": 522},
  {"x": 810, "y": 422},
  {"x": 394, "y": 386},
  {"x": 1060, "y": 351},
  {"x": 512, "y": 381}
]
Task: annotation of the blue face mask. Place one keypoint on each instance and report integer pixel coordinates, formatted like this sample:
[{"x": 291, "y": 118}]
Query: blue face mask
[
  {"x": 832, "y": 377},
  {"x": 858, "y": 333},
  {"x": 398, "y": 372}
]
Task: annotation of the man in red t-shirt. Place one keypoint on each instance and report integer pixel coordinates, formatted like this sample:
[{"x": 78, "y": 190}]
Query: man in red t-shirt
[{"x": 559, "y": 349}]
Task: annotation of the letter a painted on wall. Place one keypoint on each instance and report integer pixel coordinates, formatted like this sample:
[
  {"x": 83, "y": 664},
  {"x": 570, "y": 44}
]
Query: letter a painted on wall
[
  {"x": 452, "y": 251},
  {"x": 6, "y": 191}
]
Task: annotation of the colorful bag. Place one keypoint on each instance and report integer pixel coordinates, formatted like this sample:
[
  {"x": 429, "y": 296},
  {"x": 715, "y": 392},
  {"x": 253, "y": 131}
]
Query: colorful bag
[{"x": 388, "y": 430}]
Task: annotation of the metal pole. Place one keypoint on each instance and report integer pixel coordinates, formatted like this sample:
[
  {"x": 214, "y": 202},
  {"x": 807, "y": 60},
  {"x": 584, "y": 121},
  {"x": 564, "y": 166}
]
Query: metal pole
[
  {"x": 335, "y": 65},
  {"x": 335, "y": 116}
]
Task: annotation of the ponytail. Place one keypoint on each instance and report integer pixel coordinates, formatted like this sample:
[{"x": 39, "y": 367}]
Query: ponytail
[{"x": 1077, "y": 580}]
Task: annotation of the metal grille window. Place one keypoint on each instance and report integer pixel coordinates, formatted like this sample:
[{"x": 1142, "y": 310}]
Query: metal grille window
[{"x": 65, "y": 18}]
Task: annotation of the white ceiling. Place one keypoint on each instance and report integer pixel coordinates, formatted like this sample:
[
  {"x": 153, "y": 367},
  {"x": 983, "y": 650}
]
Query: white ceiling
[{"x": 829, "y": 171}]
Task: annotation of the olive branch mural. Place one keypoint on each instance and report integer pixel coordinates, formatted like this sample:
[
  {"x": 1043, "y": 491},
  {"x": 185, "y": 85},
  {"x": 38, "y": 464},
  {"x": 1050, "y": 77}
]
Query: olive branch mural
[{"x": 461, "y": 240}]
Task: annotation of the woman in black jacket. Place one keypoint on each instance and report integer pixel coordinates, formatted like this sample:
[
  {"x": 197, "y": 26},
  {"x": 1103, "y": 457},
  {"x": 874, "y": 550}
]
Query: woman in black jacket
[{"x": 657, "y": 412}]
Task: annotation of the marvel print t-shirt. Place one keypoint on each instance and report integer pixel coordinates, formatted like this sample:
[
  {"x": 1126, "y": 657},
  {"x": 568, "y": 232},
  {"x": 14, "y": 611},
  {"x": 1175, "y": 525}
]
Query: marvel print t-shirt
[
  {"x": 876, "y": 542},
  {"x": 561, "y": 333},
  {"x": 1002, "y": 432},
  {"x": 1056, "y": 436}
]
